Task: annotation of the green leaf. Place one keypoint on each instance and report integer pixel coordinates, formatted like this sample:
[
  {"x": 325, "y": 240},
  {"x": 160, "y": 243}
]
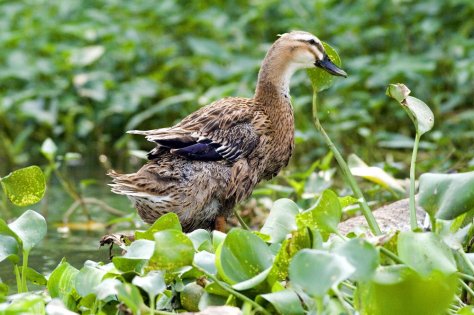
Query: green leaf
[
  {"x": 30, "y": 227},
  {"x": 252, "y": 282},
  {"x": 299, "y": 239},
  {"x": 446, "y": 196},
  {"x": 285, "y": 302},
  {"x": 321, "y": 79},
  {"x": 173, "y": 249},
  {"x": 315, "y": 271},
  {"x": 417, "y": 110},
  {"x": 8, "y": 248},
  {"x": 153, "y": 283},
  {"x": 201, "y": 240},
  {"x": 281, "y": 220},
  {"x": 398, "y": 289},
  {"x": 26, "y": 304},
  {"x": 49, "y": 149},
  {"x": 136, "y": 257},
  {"x": 107, "y": 289},
  {"x": 61, "y": 283},
  {"x": 25, "y": 186},
  {"x": 324, "y": 215},
  {"x": 169, "y": 221},
  {"x": 242, "y": 256},
  {"x": 425, "y": 253},
  {"x": 362, "y": 255},
  {"x": 130, "y": 295},
  {"x": 206, "y": 261},
  {"x": 88, "y": 279},
  {"x": 35, "y": 277}
]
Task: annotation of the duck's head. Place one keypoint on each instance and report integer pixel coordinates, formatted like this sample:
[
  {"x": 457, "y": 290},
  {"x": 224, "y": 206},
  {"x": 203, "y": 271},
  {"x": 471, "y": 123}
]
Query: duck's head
[{"x": 305, "y": 50}]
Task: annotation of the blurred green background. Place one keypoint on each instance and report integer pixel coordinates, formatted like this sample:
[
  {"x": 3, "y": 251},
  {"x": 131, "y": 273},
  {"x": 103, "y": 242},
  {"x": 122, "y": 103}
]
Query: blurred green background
[{"x": 83, "y": 72}]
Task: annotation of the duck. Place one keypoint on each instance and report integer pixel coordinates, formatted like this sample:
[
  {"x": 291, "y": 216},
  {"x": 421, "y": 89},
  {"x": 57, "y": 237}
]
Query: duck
[{"x": 204, "y": 165}]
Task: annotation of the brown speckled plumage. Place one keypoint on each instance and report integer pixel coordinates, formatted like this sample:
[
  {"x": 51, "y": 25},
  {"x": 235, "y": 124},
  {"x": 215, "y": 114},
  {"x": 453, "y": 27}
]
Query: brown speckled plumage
[{"x": 214, "y": 157}]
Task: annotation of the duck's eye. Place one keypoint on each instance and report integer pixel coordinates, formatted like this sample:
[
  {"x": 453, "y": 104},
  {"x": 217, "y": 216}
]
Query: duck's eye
[{"x": 312, "y": 42}]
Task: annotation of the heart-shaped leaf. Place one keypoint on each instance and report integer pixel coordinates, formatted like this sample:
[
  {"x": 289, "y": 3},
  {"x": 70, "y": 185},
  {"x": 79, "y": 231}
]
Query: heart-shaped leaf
[
  {"x": 25, "y": 186},
  {"x": 153, "y": 283},
  {"x": 30, "y": 227},
  {"x": 242, "y": 256},
  {"x": 8, "y": 248},
  {"x": 425, "y": 252},
  {"x": 315, "y": 271},
  {"x": 446, "y": 196},
  {"x": 285, "y": 302},
  {"x": 173, "y": 249},
  {"x": 325, "y": 214},
  {"x": 166, "y": 222},
  {"x": 281, "y": 220},
  {"x": 362, "y": 255}
]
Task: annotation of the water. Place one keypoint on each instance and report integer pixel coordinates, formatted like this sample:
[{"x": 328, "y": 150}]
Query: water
[{"x": 76, "y": 246}]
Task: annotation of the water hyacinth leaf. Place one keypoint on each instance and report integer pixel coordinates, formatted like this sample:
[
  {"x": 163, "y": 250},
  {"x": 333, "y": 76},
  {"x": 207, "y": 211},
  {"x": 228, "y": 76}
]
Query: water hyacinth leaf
[
  {"x": 201, "y": 240},
  {"x": 57, "y": 307},
  {"x": 315, "y": 271},
  {"x": 130, "y": 295},
  {"x": 398, "y": 91},
  {"x": 30, "y": 227},
  {"x": 398, "y": 289},
  {"x": 88, "y": 279},
  {"x": 107, "y": 288},
  {"x": 153, "y": 283},
  {"x": 61, "y": 282},
  {"x": 26, "y": 304},
  {"x": 362, "y": 255},
  {"x": 324, "y": 215},
  {"x": 169, "y": 221},
  {"x": 209, "y": 299},
  {"x": 321, "y": 79},
  {"x": 242, "y": 256},
  {"x": 285, "y": 302},
  {"x": 217, "y": 238},
  {"x": 299, "y": 239},
  {"x": 446, "y": 196},
  {"x": 173, "y": 249},
  {"x": 425, "y": 252},
  {"x": 419, "y": 112},
  {"x": 252, "y": 282},
  {"x": 373, "y": 173},
  {"x": 49, "y": 149},
  {"x": 136, "y": 257},
  {"x": 25, "y": 186},
  {"x": 206, "y": 261},
  {"x": 35, "y": 277},
  {"x": 281, "y": 220},
  {"x": 8, "y": 248}
]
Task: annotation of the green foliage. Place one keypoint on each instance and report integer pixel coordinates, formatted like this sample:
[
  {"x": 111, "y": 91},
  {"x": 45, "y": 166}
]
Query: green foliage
[{"x": 25, "y": 186}]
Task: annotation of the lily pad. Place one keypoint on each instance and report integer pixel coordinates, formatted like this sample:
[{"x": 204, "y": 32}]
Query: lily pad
[{"x": 25, "y": 186}]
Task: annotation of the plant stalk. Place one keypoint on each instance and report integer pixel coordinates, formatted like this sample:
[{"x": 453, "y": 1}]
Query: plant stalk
[
  {"x": 18, "y": 278},
  {"x": 413, "y": 221},
  {"x": 24, "y": 266},
  {"x": 374, "y": 227}
]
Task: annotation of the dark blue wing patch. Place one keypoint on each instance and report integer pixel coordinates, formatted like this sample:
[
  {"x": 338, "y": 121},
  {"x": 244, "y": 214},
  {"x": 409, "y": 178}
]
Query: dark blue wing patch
[{"x": 199, "y": 151}]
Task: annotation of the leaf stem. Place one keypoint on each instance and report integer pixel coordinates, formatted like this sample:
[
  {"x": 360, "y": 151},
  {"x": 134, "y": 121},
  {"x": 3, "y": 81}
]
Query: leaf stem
[
  {"x": 226, "y": 287},
  {"x": 241, "y": 221},
  {"x": 467, "y": 288},
  {"x": 413, "y": 221},
  {"x": 24, "y": 266},
  {"x": 18, "y": 278},
  {"x": 391, "y": 255},
  {"x": 374, "y": 227}
]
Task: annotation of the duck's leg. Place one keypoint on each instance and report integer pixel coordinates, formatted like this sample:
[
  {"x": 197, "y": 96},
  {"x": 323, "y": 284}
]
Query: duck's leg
[{"x": 220, "y": 223}]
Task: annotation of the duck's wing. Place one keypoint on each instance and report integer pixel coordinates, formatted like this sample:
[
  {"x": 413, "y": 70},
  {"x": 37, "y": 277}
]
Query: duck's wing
[{"x": 228, "y": 129}]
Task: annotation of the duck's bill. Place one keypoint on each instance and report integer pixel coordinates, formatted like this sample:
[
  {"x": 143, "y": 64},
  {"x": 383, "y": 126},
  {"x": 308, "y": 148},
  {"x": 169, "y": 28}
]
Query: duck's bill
[{"x": 330, "y": 67}]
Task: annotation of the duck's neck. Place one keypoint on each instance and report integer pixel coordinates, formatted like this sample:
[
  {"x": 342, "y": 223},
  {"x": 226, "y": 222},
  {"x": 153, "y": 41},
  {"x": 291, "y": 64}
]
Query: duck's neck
[{"x": 274, "y": 78}]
